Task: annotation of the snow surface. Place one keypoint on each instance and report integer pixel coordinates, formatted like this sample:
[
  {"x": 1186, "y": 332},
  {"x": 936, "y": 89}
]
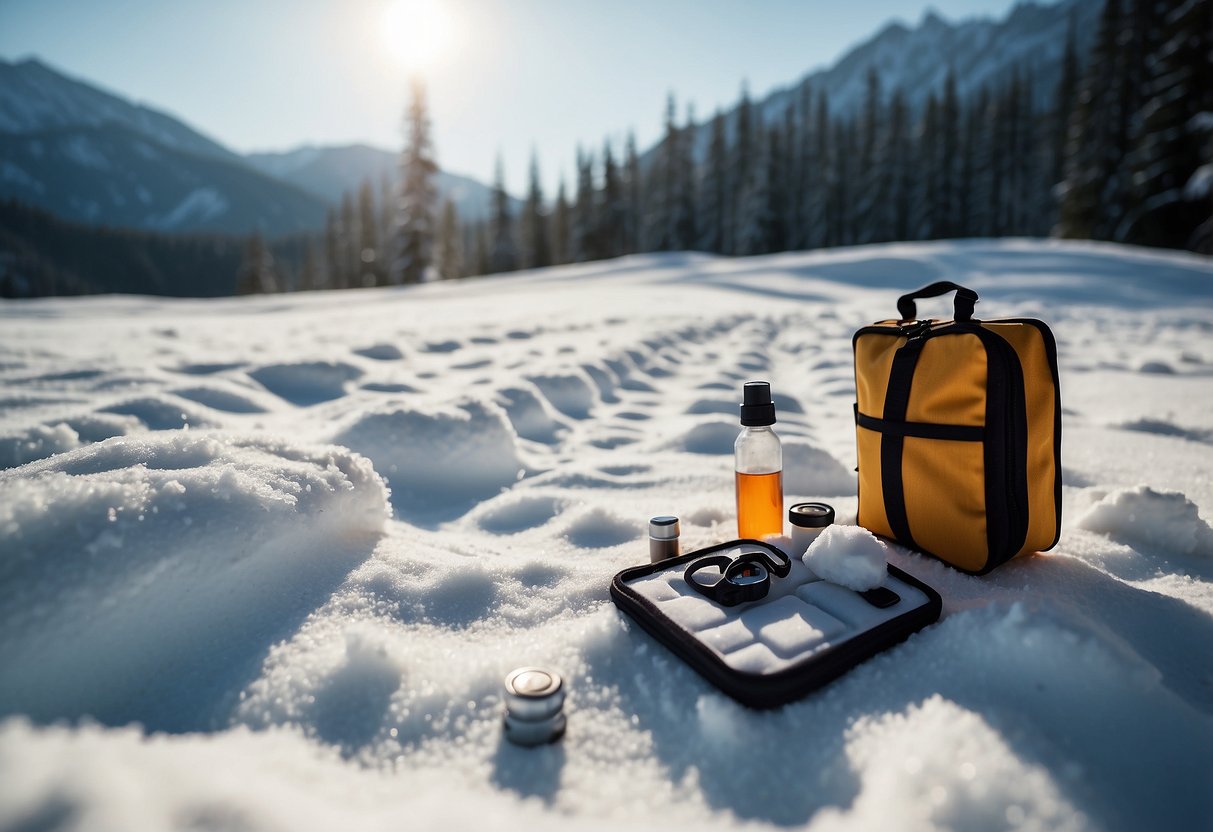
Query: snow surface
[
  {"x": 208, "y": 618},
  {"x": 850, "y": 556}
]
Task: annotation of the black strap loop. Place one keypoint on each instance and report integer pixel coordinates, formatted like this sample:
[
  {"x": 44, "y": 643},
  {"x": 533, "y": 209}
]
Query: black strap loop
[
  {"x": 921, "y": 430},
  {"x": 966, "y": 299}
]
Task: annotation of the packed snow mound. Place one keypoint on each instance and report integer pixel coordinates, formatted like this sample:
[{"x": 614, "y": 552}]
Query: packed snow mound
[
  {"x": 977, "y": 780},
  {"x": 810, "y": 471},
  {"x": 439, "y": 461},
  {"x": 1157, "y": 521},
  {"x": 572, "y": 393},
  {"x": 531, "y": 415},
  {"x": 37, "y": 442},
  {"x": 140, "y": 573},
  {"x": 850, "y": 556}
]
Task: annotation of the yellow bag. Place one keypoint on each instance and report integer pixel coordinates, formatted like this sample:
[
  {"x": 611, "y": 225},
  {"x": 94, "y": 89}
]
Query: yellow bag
[{"x": 958, "y": 431}]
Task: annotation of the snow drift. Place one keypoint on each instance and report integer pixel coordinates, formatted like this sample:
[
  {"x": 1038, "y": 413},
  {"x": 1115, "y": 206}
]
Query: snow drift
[{"x": 141, "y": 574}]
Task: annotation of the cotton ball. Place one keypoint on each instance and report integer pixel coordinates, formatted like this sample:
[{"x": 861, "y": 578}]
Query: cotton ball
[{"x": 849, "y": 556}]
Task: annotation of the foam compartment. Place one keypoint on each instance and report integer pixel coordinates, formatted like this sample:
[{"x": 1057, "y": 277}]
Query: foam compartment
[{"x": 801, "y": 617}]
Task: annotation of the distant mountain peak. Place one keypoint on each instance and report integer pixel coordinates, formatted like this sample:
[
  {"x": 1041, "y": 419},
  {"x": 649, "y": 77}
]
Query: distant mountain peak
[{"x": 932, "y": 19}]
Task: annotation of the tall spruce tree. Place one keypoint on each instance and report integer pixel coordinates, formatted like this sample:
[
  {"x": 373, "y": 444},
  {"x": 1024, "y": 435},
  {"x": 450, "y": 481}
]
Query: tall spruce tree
[
  {"x": 333, "y": 266},
  {"x": 682, "y": 219},
  {"x": 1092, "y": 154},
  {"x": 869, "y": 199},
  {"x": 582, "y": 238},
  {"x": 310, "y": 277},
  {"x": 713, "y": 189},
  {"x": 351, "y": 255},
  {"x": 560, "y": 226},
  {"x": 415, "y": 231},
  {"x": 503, "y": 251},
  {"x": 756, "y": 218},
  {"x": 738, "y": 176},
  {"x": 633, "y": 189},
  {"x": 611, "y": 208},
  {"x": 819, "y": 175},
  {"x": 948, "y": 162},
  {"x": 896, "y": 160},
  {"x": 1171, "y": 162},
  {"x": 257, "y": 273},
  {"x": 449, "y": 254},
  {"x": 536, "y": 247},
  {"x": 369, "y": 253}
]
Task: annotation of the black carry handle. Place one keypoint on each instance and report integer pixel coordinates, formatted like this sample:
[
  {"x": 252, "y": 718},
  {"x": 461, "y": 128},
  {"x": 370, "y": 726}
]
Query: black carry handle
[{"x": 966, "y": 299}]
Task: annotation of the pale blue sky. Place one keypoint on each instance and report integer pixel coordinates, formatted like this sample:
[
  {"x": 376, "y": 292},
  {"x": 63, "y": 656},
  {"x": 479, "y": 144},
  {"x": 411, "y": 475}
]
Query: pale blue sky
[{"x": 274, "y": 74}]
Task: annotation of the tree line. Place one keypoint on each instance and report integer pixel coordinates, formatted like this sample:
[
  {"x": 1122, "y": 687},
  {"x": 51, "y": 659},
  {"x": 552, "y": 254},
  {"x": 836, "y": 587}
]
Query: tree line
[{"x": 1120, "y": 149}]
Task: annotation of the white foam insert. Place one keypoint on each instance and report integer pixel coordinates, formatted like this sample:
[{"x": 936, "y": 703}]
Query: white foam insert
[{"x": 801, "y": 616}]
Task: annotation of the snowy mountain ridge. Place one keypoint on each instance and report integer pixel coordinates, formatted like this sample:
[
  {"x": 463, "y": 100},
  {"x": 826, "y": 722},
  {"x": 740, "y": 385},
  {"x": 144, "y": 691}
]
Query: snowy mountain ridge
[
  {"x": 88, "y": 155},
  {"x": 35, "y": 98},
  {"x": 978, "y": 52}
]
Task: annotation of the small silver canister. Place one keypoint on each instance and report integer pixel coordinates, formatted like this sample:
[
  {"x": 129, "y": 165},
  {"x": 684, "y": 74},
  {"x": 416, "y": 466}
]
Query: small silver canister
[
  {"x": 663, "y": 538},
  {"x": 534, "y": 706}
]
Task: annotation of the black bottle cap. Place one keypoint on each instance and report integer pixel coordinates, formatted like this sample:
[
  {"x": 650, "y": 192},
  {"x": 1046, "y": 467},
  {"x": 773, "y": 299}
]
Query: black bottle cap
[
  {"x": 811, "y": 515},
  {"x": 756, "y": 405}
]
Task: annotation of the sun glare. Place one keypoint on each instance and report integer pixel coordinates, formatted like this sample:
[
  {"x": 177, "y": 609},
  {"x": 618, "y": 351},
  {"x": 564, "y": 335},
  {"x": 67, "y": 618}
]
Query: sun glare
[{"x": 416, "y": 33}]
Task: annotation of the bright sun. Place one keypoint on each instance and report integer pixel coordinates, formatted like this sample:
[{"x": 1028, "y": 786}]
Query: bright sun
[{"x": 416, "y": 33}]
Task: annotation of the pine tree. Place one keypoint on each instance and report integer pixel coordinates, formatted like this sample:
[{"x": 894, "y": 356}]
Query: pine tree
[
  {"x": 351, "y": 255},
  {"x": 869, "y": 198},
  {"x": 483, "y": 254},
  {"x": 333, "y": 267},
  {"x": 449, "y": 254},
  {"x": 739, "y": 168},
  {"x": 536, "y": 247},
  {"x": 981, "y": 217},
  {"x": 368, "y": 245},
  {"x": 560, "y": 227},
  {"x": 309, "y": 274},
  {"x": 1091, "y": 151},
  {"x": 682, "y": 232},
  {"x": 503, "y": 254},
  {"x": 582, "y": 243},
  {"x": 611, "y": 209},
  {"x": 415, "y": 232},
  {"x": 389, "y": 203},
  {"x": 633, "y": 190},
  {"x": 1171, "y": 162},
  {"x": 663, "y": 186},
  {"x": 897, "y": 158},
  {"x": 756, "y": 229},
  {"x": 948, "y": 159},
  {"x": 713, "y": 189},
  {"x": 819, "y": 175},
  {"x": 796, "y": 119},
  {"x": 1063, "y": 104},
  {"x": 257, "y": 274}
]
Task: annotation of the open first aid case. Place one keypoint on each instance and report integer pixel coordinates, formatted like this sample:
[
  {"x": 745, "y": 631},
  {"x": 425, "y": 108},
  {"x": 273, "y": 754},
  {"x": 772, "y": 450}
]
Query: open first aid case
[{"x": 804, "y": 633}]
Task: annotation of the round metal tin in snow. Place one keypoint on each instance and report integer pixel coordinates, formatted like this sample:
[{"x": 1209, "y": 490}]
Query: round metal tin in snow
[{"x": 533, "y": 693}]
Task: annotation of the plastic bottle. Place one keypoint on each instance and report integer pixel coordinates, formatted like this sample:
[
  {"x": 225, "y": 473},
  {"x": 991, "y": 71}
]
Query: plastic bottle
[{"x": 758, "y": 456}]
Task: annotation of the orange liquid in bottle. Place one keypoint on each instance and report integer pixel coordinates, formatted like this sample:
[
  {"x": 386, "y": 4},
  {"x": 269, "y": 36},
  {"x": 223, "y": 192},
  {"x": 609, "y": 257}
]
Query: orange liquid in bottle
[{"x": 759, "y": 504}]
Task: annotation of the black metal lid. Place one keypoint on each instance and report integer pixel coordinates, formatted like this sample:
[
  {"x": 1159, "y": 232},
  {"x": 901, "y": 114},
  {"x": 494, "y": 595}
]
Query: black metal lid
[
  {"x": 756, "y": 405},
  {"x": 811, "y": 515}
]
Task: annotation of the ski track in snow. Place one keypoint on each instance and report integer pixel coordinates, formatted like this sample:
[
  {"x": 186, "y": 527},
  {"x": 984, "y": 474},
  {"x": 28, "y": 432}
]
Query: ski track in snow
[{"x": 299, "y": 540}]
